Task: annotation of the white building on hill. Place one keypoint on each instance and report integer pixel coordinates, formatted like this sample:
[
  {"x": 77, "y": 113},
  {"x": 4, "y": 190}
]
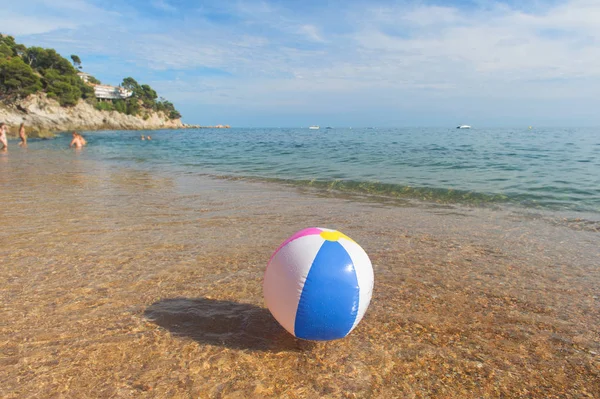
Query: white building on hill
[
  {"x": 84, "y": 76},
  {"x": 106, "y": 92}
]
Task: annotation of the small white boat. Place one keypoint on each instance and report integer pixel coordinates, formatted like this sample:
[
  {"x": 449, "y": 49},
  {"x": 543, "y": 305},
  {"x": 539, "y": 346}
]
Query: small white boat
[
  {"x": 314, "y": 127},
  {"x": 463, "y": 127}
]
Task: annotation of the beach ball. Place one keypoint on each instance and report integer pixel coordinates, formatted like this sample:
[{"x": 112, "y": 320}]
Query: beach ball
[{"x": 318, "y": 284}]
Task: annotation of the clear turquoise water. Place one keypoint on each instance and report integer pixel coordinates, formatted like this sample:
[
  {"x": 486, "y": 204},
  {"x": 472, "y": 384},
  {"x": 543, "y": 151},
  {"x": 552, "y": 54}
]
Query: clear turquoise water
[{"x": 555, "y": 169}]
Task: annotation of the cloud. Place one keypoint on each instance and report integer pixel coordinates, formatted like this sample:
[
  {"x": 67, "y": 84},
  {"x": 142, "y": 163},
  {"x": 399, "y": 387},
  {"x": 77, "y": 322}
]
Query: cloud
[
  {"x": 497, "y": 45},
  {"x": 43, "y": 16},
  {"x": 309, "y": 56},
  {"x": 23, "y": 25},
  {"x": 311, "y": 32},
  {"x": 163, "y": 5}
]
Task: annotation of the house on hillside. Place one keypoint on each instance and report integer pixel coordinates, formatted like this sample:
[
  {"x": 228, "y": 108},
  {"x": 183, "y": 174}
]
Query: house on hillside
[
  {"x": 106, "y": 92},
  {"x": 84, "y": 76}
]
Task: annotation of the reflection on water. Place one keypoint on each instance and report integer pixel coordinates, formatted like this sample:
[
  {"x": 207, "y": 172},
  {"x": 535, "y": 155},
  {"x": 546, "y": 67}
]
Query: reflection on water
[{"x": 121, "y": 282}]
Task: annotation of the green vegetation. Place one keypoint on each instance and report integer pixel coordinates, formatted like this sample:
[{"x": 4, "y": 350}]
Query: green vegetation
[
  {"x": 27, "y": 70},
  {"x": 147, "y": 98},
  {"x": 93, "y": 80},
  {"x": 17, "y": 79},
  {"x": 76, "y": 61}
]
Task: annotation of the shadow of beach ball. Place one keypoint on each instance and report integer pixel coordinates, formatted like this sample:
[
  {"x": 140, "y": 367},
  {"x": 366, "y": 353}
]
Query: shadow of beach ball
[{"x": 318, "y": 284}]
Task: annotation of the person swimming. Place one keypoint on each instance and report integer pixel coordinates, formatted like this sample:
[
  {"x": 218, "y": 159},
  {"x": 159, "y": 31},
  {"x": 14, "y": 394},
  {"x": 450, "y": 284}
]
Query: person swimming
[
  {"x": 3, "y": 137},
  {"x": 22, "y": 135},
  {"x": 78, "y": 141}
]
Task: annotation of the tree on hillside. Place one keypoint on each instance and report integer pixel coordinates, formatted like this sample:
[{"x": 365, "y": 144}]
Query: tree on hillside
[
  {"x": 41, "y": 59},
  {"x": 120, "y": 106},
  {"x": 131, "y": 84},
  {"x": 67, "y": 89},
  {"x": 19, "y": 50},
  {"x": 60, "y": 87},
  {"x": 8, "y": 43},
  {"x": 31, "y": 55},
  {"x": 132, "y": 106},
  {"x": 174, "y": 114},
  {"x": 76, "y": 61},
  {"x": 8, "y": 40},
  {"x": 5, "y": 51},
  {"x": 168, "y": 108},
  {"x": 17, "y": 79},
  {"x": 148, "y": 96},
  {"x": 87, "y": 91}
]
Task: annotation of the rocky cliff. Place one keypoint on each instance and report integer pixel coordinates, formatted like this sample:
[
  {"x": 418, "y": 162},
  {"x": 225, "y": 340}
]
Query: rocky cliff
[{"x": 43, "y": 116}]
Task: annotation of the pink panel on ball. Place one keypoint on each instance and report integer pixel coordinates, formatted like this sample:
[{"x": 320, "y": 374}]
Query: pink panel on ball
[{"x": 306, "y": 232}]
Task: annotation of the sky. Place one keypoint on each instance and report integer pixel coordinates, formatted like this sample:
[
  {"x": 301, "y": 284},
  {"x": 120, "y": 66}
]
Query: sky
[{"x": 337, "y": 63}]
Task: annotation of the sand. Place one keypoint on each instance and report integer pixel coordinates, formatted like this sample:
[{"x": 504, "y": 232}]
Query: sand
[{"x": 124, "y": 283}]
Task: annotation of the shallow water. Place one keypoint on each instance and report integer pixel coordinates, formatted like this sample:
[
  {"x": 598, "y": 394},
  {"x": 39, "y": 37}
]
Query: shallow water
[
  {"x": 124, "y": 281},
  {"x": 541, "y": 168}
]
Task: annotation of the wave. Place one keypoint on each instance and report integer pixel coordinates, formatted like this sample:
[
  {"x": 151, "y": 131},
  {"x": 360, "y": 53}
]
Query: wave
[{"x": 432, "y": 195}]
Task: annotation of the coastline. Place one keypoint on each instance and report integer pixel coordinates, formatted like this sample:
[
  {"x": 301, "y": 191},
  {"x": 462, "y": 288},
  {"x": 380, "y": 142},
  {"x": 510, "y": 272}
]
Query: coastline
[
  {"x": 151, "y": 287},
  {"x": 44, "y": 116}
]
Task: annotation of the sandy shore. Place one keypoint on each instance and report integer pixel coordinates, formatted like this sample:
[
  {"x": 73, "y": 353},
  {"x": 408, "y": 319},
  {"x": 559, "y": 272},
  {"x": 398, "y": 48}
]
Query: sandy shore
[{"x": 128, "y": 284}]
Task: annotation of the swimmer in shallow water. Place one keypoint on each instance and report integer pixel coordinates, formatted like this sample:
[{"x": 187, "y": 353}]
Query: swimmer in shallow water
[
  {"x": 22, "y": 135},
  {"x": 78, "y": 141},
  {"x": 3, "y": 140}
]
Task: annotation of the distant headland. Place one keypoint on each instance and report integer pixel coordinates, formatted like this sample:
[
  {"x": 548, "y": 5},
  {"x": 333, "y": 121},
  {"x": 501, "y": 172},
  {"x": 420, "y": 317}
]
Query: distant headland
[
  {"x": 49, "y": 94},
  {"x": 206, "y": 127},
  {"x": 43, "y": 116}
]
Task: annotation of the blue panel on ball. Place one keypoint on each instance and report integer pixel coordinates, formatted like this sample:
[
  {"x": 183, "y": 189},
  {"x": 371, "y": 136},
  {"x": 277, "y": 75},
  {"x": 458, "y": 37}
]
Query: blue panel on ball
[{"x": 329, "y": 300}]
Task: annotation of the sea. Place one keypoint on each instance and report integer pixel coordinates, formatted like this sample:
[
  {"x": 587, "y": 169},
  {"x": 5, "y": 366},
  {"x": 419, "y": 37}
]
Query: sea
[{"x": 551, "y": 169}]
